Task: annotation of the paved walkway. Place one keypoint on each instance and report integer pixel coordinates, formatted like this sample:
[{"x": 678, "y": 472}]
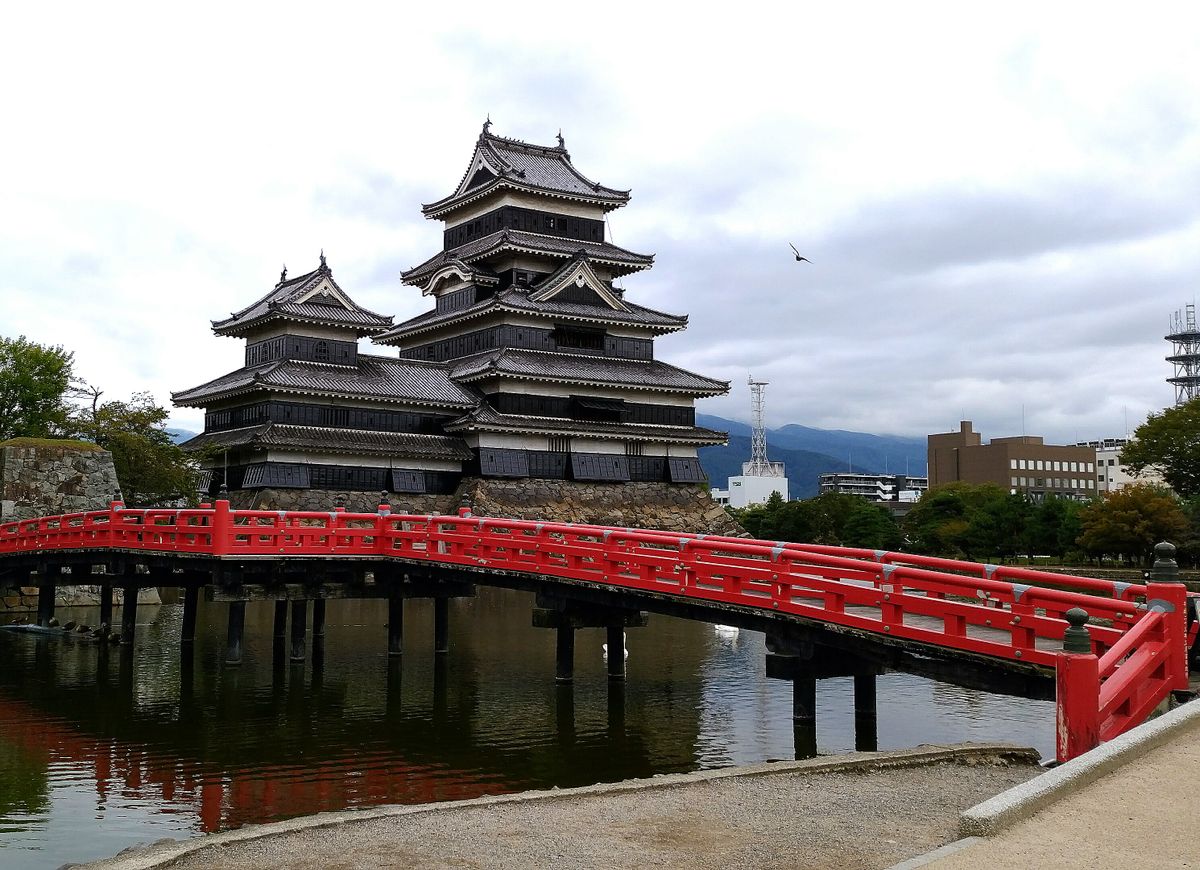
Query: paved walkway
[
  {"x": 801, "y": 814},
  {"x": 1144, "y": 814}
]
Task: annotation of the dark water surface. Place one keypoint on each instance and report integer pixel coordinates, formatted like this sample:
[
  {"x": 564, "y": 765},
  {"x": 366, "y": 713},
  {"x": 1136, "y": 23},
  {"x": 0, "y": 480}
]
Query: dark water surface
[{"x": 100, "y": 750}]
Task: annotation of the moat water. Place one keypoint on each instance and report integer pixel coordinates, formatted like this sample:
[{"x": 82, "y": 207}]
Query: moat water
[{"x": 100, "y": 751}]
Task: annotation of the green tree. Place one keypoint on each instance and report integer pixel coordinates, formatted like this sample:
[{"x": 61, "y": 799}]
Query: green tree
[
  {"x": 34, "y": 380},
  {"x": 1053, "y": 527},
  {"x": 1129, "y": 522},
  {"x": 872, "y": 527},
  {"x": 151, "y": 468},
  {"x": 1169, "y": 441}
]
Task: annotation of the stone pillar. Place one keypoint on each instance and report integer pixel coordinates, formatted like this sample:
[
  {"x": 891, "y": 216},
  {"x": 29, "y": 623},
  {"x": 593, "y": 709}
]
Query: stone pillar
[
  {"x": 233, "y": 639},
  {"x": 441, "y": 624},
  {"x": 299, "y": 628},
  {"x": 564, "y": 653}
]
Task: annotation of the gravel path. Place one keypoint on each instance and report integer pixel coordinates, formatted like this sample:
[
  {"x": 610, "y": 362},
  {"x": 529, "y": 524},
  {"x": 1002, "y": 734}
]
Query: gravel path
[
  {"x": 1144, "y": 814},
  {"x": 856, "y": 819}
]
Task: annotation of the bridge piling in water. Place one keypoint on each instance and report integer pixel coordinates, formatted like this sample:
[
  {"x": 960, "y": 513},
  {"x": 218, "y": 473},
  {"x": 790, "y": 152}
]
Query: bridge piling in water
[
  {"x": 441, "y": 624},
  {"x": 47, "y": 581},
  {"x": 616, "y": 650},
  {"x": 106, "y": 604},
  {"x": 299, "y": 629},
  {"x": 191, "y": 595},
  {"x": 279, "y": 624},
  {"x": 318, "y": 621},
  {"x": 564, "y": 653},
  {"x": 866, "y": 718},
  {"x": 129, "y": 602},
  {"x": 236, "y": 627},
  {"x": 395, "y": 623}
]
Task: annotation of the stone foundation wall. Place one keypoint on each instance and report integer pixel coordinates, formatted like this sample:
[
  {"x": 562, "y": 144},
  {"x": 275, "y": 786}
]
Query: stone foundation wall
[
  {"x": 23, "y": 599},
  {"x": 671, "y": 507},
  {"x": 51, "y": 479},
  {"x": 326, "y": 499}
]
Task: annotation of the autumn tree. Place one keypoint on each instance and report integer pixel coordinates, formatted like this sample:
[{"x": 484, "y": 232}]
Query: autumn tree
[{"x": 1128, "y": 523}]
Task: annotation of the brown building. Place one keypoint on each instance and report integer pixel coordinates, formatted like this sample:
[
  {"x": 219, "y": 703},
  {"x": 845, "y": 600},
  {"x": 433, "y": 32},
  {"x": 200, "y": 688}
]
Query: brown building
[{"x": 1020, "y": 464}]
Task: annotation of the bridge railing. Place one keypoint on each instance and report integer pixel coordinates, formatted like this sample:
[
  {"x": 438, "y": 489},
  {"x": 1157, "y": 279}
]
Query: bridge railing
[{"x": 1138, "y": 650}]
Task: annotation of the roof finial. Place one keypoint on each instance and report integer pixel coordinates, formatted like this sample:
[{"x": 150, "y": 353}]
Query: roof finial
[
  {"x": 323, "y": 258},
  {"x": 562, "y": 143},
  {"x": 487, "y": 124},
  {"x": 283, "y": 274}
]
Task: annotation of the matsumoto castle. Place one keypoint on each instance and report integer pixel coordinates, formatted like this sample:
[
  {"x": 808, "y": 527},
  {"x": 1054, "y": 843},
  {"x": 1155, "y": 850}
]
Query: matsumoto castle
[{"x": 532, "y": 363}]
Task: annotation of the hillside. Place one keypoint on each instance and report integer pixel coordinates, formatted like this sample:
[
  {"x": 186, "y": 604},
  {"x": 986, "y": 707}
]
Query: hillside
[{"x": 807, "y": 452}]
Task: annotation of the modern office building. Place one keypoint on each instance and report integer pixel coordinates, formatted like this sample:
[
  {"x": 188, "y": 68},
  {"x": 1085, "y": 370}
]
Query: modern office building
[
  {"x": 875, "y": 487},
  {"x": 1111, "y": 473},
  {"x": 1022, "y": 463}
]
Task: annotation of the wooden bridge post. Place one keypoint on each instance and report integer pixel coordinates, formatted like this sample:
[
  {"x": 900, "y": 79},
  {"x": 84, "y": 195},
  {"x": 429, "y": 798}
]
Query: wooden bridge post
[
  {"x": 318, "y": 621},
  {"x": 46, "y": 588},
  {"x": 866, "y": 719},
  {"x": 233, "y": 639},
  {"x": 395, "y": 623},
  {"x": 279, "y": 627},
  {"x": 106, "y": 604},
  {"x": 129, "y": 603},
  {"x": 191, "y": 595},
  {"x": 441, "y": 624},
  {"x": 1165, "y": 591},
  {"x": 299, "y": 627},
  {"x": 804, "y": 712},
  {"x": 616, "y": 651},
  {"x": 564, "y": 653}
]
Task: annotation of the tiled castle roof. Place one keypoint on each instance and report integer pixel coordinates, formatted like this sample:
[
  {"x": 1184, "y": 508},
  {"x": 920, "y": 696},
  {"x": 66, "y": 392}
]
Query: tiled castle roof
[
  {"x": 486, "y": 418},
  {"x": 501, "y": 162},
  {"x": 300, "y": 299},
  {"x": 618, "y": 260},
  {"x": 541, "y": 365},
  {"x": 374, "y": 377},
  {"x": 328, "y": 440}
]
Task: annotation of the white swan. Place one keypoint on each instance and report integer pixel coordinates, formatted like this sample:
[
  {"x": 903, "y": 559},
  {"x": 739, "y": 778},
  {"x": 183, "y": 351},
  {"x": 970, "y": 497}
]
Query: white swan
[{"x": 604, "y": 647}]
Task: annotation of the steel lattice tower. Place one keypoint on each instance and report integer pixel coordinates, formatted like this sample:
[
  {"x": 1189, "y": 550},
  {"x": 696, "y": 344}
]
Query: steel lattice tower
[
  {"x": 1185, "y": 355},
  {"x": 759, "y": 466}
]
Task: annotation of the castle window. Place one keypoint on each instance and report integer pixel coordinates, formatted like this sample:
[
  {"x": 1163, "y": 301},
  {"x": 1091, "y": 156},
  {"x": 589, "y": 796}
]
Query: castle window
[
  {"x": 321, "y": 351},
  {"x": 633, "y": 448},
  {"x": 559, "y": 444}
]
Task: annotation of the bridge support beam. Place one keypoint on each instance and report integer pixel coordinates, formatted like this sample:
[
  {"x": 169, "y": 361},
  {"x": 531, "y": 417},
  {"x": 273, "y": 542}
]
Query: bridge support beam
[
  {"x": 233, "y": 636},
  {"x": 866, "y": 719},
  {"x": 279, "y": 625},
  {"x": 299, "y": 628},
  {"x": 46, "y": 588},
  {"x": 106, "y": 604},
  {"x": 318, "y": 622},
  {"x": 564, "y": 654},
  {"x": 395, "y": 623},
  {"x": 616, "y": 651},
  {"x": 129, "y": 602},
  {"x": 191, "y": 597},
  {"x": 441, "y": 624}
]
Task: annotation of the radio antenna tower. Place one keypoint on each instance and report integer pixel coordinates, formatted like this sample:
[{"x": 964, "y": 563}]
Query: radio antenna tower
[
  {"x": 1185, "y": 354},
  {"x": 759, "y": 467}
]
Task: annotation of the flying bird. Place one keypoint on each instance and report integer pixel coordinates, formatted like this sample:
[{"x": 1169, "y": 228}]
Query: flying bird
[{"x": 797, "y": 253}]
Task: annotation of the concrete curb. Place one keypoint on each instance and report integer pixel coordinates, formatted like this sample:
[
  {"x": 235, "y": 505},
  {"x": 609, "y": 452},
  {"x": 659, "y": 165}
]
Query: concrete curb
[
  {"x": 1022, "y": 801},
  {"x": 162, "y": 854},
  {"x": 937, "y": 854}
]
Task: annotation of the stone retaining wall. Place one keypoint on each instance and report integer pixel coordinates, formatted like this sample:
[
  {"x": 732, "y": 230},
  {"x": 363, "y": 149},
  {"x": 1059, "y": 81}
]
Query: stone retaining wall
[
  {"x": 50, "y": 479},
  {"x": 672, "y": 507},
  {"x": 23, "y": 599}
]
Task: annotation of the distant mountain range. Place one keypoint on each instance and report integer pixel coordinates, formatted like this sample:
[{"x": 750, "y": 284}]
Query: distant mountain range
[
  {"x": 804, "y": 451},
  {"x": 807, "y": 452}
]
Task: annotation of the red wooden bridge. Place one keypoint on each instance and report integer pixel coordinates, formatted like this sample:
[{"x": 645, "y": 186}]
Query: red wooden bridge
[{"x": 1116, "y": 650}]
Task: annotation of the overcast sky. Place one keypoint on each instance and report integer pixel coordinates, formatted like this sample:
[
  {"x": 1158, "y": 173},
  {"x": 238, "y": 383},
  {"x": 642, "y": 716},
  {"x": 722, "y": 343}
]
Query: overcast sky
[{"x": 1001, "y": 209}]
